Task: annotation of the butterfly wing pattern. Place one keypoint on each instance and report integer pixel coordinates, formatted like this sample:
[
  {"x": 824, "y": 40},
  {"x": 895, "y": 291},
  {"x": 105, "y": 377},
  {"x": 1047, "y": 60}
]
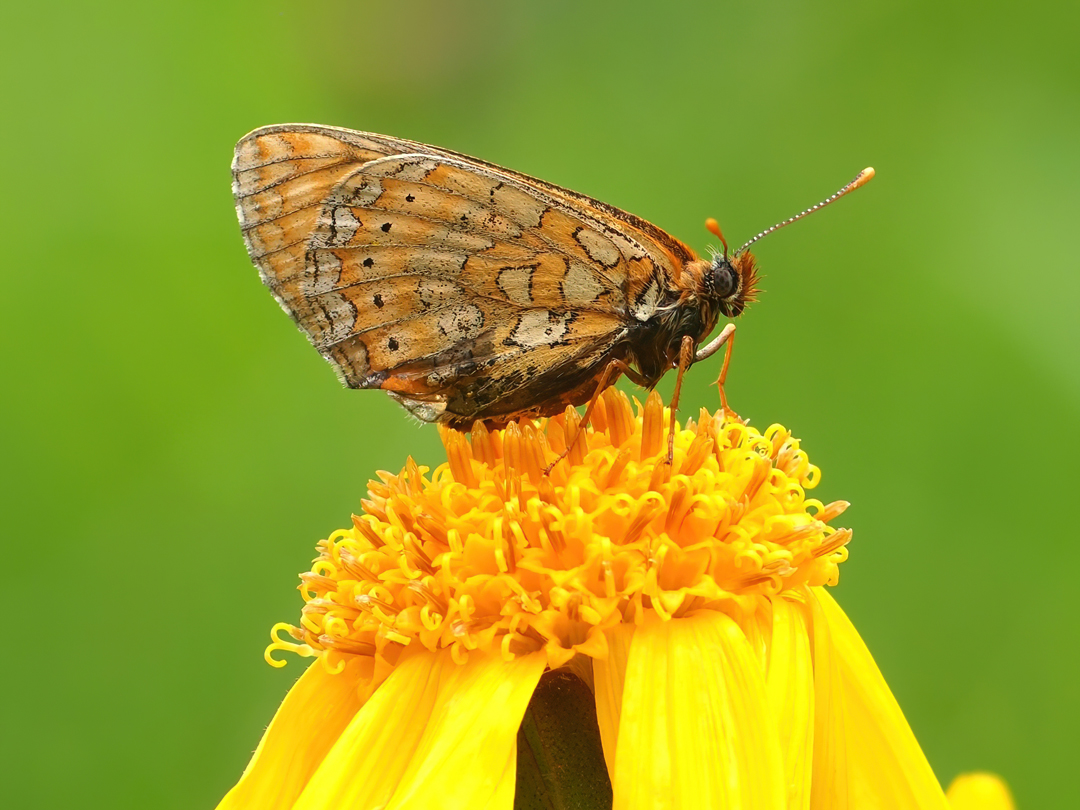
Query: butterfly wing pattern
[{"x": 467, "y": 291}]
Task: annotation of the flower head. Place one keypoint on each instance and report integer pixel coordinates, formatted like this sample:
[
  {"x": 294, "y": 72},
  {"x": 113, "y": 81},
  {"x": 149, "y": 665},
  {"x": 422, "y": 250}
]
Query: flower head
[{"x": 688, "y": 595}]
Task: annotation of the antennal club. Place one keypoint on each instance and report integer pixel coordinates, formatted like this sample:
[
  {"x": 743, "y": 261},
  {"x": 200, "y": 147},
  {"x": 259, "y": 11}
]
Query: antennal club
[
  {"x": 714, "y": 228},
  {"x": 861, "y": 179}
]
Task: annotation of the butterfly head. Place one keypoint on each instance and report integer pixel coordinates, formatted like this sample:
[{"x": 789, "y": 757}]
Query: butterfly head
[{"x": 732, "y": 282}]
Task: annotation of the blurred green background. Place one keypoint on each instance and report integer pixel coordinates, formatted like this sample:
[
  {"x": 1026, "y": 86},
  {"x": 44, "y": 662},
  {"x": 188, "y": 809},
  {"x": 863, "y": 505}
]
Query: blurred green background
[{"x": 165, "y": 480}]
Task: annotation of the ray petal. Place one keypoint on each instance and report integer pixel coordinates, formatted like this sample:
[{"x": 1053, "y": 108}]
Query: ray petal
[
  {"x": 608, "y": 677},
  {"x": 309, "y": 721},
  {"x": 790, "y": 688},
  {"x": 695, "y": 728},
  {"x": 468, "y": 754},
  {"x": 882, "y": 765},
  {"x": 366, "y": 764}
]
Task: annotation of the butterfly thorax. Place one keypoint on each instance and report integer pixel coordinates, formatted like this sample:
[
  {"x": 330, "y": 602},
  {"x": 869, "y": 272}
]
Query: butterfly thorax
[
  {"x": 687, "y": 310},
  {"x": 702, "y": 292}
]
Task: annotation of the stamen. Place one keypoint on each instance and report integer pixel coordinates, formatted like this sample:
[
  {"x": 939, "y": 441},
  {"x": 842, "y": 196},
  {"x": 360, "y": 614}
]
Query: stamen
[
  {"x": 432, "y": 598},
  {"x": 832, "y": 511},
  {"x": 368, "y": 603}
]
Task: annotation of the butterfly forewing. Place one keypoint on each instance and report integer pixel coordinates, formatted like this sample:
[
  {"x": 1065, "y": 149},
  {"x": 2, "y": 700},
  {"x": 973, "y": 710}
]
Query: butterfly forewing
[{"x": 457, "y": 285}]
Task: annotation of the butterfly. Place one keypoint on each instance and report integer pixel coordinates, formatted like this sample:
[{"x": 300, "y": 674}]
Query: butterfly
[{"x": 467, "y": 291}]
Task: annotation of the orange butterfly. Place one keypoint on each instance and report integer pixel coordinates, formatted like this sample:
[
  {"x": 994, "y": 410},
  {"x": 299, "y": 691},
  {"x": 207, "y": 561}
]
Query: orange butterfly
[{"x": 468, "y": 291}]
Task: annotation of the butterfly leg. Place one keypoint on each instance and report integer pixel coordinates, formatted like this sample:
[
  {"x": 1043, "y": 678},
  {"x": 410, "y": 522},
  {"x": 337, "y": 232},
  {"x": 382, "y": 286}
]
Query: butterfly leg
[
  {"x": 686, "y": 357},
  {"x": 726, "y": 336},
  {"x": 611, "y": 372}
]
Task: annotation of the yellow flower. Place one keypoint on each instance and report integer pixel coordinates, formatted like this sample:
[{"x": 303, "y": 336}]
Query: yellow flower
[
  {"x": 690, "y": 598},
  {"x": 979, "y": 791}
]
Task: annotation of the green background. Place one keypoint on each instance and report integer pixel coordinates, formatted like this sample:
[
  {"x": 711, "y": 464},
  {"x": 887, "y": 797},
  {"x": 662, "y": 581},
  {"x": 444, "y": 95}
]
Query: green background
[{"x": 173, "y": 448}]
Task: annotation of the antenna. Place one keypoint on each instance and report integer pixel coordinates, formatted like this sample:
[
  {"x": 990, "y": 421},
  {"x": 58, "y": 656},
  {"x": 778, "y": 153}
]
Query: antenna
[{"x": 861, "y": 179}]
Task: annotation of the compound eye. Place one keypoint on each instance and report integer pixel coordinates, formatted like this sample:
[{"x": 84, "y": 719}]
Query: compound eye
[{"x": 725, "y": 280}]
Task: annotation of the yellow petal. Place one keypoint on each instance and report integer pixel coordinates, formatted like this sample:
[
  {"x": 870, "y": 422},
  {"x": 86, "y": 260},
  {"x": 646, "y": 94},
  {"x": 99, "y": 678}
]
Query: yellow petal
[
  {"x": 790, "y": 690},
  {"x": 365, "y": 765},
  {"x": 885, "y": 767},
  {"x": 979, "y": 791},
  {"x": 608, "y": 675},
  {"x": 830, "y": 769},
  {"x": 468, "y": 755},
  {"x": 695, "y": 728},
  {"x": 434, "y": 734},
  {"x": 308, "y": 722}
]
